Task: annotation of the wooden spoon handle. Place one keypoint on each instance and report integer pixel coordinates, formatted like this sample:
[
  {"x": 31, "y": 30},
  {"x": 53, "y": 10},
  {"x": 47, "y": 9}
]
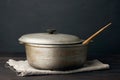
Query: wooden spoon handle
[{"x": 95, "y": 34}]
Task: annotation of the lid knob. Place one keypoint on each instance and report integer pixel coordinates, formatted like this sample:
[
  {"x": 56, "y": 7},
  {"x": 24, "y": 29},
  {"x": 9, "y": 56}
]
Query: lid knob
[{"x": 51, "y": 31}]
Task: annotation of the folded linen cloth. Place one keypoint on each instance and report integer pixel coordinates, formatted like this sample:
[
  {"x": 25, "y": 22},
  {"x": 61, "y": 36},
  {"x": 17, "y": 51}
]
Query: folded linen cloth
[{"x": 22, "y": 68}]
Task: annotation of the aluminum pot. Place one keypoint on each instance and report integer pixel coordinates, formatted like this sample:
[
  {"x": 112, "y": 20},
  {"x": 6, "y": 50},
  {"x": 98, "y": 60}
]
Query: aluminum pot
[{"x": 54, "y": 51}]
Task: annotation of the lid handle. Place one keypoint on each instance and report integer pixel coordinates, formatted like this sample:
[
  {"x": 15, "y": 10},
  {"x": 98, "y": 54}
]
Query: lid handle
[{"x": 51, "y": 31}]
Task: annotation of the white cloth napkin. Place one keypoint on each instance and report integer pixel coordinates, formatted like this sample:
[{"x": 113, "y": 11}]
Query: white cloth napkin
[{"x": 22, "y": 68}]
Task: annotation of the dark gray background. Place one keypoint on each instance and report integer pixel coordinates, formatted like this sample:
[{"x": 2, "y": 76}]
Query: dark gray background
[{"x": 77, "y": 17}]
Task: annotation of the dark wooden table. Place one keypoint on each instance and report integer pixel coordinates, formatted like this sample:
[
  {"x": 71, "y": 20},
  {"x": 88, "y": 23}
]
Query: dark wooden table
[{"x": 111, "y": 74}]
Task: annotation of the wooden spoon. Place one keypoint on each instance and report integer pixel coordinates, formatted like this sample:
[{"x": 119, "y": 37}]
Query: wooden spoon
[{"x": 95, "y": 34}]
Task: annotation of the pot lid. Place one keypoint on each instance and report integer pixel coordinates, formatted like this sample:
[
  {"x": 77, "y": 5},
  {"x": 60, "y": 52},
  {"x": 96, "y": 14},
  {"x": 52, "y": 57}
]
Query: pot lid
[{"x": 49, "y": 38}]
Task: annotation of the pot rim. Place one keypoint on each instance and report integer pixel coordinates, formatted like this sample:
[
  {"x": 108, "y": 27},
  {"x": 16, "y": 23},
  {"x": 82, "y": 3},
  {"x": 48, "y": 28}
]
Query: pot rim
[{"x": 55, "y": 45}]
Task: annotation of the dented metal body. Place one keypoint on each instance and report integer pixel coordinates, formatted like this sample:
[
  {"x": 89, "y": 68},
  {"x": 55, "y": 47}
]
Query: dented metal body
[{"x": 56, "y": 57}]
